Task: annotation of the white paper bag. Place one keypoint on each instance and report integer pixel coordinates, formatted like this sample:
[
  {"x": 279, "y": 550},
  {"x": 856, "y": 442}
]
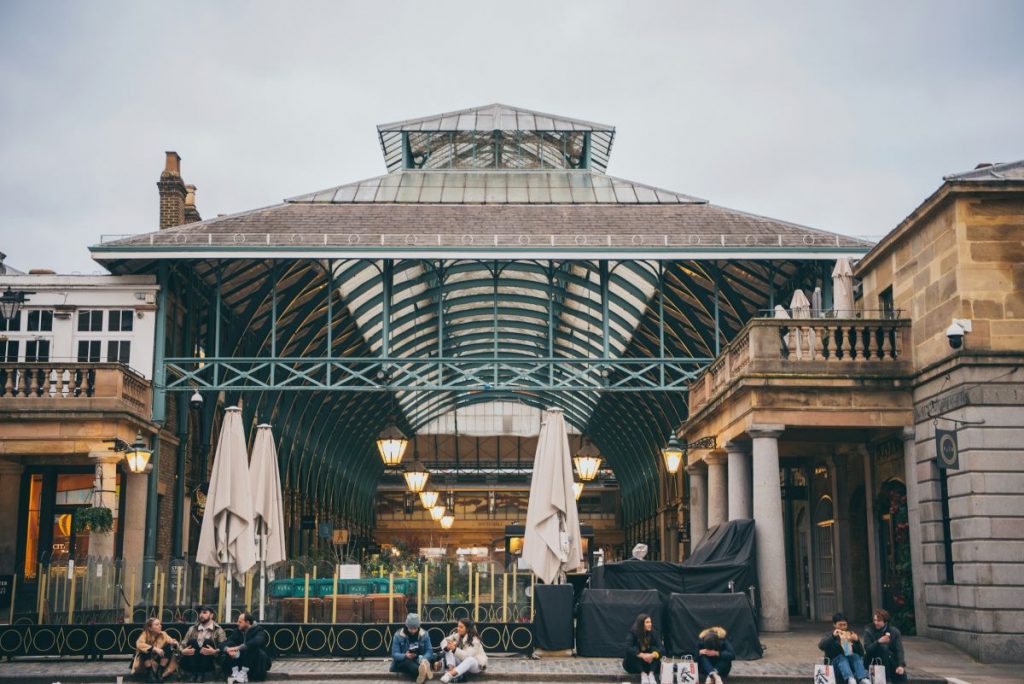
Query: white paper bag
[
  {"x": 824, "y": 673},
  {"x": 877, "y": 672},
  {"x": 681, "y": 672}
]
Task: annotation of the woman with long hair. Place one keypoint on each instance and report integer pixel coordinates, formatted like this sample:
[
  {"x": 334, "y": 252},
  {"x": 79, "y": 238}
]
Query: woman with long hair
[
  {"x": 154, "y": 656},
  {"x": 462, "y": 652},
  {"x": 643, "y": 650}
]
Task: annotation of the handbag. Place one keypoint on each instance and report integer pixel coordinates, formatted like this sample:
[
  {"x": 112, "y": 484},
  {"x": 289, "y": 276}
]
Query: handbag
[
  {"x": 824, "y": 673},
  {"x": 877, "y": 672},
  {"x": 680, "y": 672}
]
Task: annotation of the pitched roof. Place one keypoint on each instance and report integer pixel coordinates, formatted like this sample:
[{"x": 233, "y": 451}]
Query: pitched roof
[
  {"x": 1010, "y": 172},
  {"x": 494, "y": 117},
  {"x": 496, "y": 187}
]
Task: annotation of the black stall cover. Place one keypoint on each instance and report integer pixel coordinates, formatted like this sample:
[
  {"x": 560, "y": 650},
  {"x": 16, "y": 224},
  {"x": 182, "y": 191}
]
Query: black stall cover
[
  {"x": 689, "y": 614},
  {"x": 607, "y": 615},
  {"x": 727, "y": 552},
  {"x": 665, "y": 578},
  {"x": 552, "y": 618}
]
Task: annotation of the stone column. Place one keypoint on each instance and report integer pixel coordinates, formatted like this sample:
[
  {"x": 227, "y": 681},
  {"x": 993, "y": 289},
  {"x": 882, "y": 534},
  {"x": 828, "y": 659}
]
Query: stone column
[
  {"x": 10, "y": 491},
  {"x": 104, "y": 495},
  {"x": 740, "y": 503},
  {"x": 770, "y": 532},
  {"x": 718, "y": 493},
  {"x": 698, "y": 503},
  {"x": 134, "y": 529},
  {"x": 874, "y": 566},
  {"x": 909, "y": 437}
]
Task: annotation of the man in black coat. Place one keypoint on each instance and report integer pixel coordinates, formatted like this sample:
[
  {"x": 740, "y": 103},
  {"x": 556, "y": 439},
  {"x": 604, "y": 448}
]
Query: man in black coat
[
  {"x": 244, "y": 654},
  {"x": 884, "y": 642},
  {"x": 842, "y": 646}
]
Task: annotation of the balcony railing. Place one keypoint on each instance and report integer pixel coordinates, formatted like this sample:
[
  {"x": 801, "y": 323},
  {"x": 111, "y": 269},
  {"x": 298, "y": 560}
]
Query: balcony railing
[
  {"x": 825, "y": 346},
  {"x": 74, "y": 382}
]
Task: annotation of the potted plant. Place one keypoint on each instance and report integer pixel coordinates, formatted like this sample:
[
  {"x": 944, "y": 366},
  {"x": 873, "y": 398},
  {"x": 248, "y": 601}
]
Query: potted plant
[{"x": 98, "y": 519}]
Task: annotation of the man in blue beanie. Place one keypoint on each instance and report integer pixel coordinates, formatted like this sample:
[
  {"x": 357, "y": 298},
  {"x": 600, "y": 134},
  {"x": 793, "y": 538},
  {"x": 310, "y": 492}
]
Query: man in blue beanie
[{"x": 411, "y": 651}]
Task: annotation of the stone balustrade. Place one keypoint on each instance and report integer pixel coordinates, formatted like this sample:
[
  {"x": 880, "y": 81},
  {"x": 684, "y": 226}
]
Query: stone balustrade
[
  {"x": 25, "y": 383},
  {"x": 825, "y": 346}
]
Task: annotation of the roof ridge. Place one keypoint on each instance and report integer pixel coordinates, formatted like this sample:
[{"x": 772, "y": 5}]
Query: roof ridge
[
  {"x": 987, "y": 172},
  {"x": 494, "y": 107}
]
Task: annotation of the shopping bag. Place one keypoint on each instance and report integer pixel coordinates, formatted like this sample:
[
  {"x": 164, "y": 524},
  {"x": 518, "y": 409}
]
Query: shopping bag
[
  {"x": 683, "y": 672},
  {"x": 824, "y": 673},
  {"x": 877, "y": 672}
]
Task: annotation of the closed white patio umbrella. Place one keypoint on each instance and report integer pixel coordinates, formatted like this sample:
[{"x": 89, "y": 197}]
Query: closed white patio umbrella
[
  {"x": 267, "y": 506},
  {"x": 800, "y": 307},
  {"x": 551, "y": 544},
  {"x": 842, "y": 289},
  {"x": 226, "y": 538}
]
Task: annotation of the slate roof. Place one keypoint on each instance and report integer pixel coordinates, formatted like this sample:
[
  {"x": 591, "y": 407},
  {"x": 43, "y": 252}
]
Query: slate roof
[{"x": 1010, "y": 172}]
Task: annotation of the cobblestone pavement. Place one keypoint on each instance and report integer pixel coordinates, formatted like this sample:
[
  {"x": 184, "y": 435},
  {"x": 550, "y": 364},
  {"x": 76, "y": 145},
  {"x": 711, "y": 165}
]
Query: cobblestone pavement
[{"x": 788, "y": 658}]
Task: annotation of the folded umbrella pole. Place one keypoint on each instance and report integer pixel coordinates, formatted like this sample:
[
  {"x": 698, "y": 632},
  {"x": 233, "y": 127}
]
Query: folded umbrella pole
[{"x": 267, "y": 505}]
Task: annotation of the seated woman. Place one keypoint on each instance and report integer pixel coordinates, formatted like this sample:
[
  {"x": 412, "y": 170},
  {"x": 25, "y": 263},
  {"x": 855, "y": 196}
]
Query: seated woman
[
  {"x": 462, "y": 652},
  {"x": 714, "y": 655},
  {"x": 154, "y": 656},
  {"x": 643, "y": 651}
]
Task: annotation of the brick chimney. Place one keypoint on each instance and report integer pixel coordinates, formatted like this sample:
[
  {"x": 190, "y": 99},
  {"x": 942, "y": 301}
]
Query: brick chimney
[
  {"x": 172, "y": 193},
  {"x": 191, "y": 213}
]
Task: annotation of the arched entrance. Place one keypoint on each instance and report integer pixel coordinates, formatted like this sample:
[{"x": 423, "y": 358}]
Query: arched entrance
[
  {"x": 894, "y": 555},
  {"x": 824, "y": 553}
]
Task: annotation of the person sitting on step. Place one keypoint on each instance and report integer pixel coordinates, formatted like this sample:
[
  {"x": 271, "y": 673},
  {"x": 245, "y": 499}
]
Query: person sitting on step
[
  {"x": 411, "y": 650},
  {"x": 643, "y": 651},
  {"x": 244, "y": 654},
  {"x": 463, "y": 652},
  {"x": 154, "y": 655},
  {"x": 714, "y": 655},
  {"x": 200, "y": 646},
  {"x": 842, "y": 646},
  {"x": 884, "y": 642}
]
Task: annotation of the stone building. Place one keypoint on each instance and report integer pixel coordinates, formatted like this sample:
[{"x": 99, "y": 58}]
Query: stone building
[{"x": 827, "y": 429}]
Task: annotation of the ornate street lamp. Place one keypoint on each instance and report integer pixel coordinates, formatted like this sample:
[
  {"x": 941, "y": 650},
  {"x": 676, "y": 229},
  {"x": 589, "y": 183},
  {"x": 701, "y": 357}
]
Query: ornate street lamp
[
  {"x": 673, "y": 455},
  {"x": 392, "y": 445},
  {"x": 588, "y": 461},
  {"x": 136, "y": 454},
  {"x": 10, "y": 303},
  {"x": 577, "y": 489},
  {"x": 429, "y": 499},
  {"x": 437, "y": 512},
  {"x": 447, "y": 520},
  {"x": 416, "y": 477}
]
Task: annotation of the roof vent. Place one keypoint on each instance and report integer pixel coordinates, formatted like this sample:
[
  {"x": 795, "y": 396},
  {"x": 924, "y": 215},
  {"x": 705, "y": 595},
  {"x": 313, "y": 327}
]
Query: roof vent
[
  {"x": 984, "y": 165},
  {"x": 41, "y": 271}
]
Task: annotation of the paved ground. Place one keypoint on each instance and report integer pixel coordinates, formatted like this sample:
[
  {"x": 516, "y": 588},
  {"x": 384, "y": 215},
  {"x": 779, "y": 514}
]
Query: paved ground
[{"x": 788, "y": 659}]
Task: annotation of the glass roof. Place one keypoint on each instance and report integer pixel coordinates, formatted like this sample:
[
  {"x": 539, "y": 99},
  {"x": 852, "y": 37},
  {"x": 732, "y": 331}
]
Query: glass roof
[{"x": 497, "y": 187}]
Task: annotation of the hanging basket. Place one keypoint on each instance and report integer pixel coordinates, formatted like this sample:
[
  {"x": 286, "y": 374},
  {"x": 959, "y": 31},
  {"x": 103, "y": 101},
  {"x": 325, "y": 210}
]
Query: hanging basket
[{"x": 96, "y": 519}]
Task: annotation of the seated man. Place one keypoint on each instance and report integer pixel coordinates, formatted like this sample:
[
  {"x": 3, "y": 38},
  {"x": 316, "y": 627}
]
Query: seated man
[
  {"x": 200, "y": 646},
  {"x": 844, "y": 649},
  {"x": 244, "y": 654},
  {"x": 411, "y": 651},
  {"x": 884, "y": 642}
]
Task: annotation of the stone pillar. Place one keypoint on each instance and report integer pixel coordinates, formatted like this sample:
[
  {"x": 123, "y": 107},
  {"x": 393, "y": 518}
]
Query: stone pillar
[
  {"x": 10, "y": 494},
  {"x": 698, "y": 503},
  {"x": 104, "y": 495},
  {"x": 875, "y": 567},
  {"x": 770, "y": 532},
  {"x": 740, "y": 502},
  {"x": 718, "y": 492},
  {"x": 134, "y": 529},
  {"x": 909, "y": 437}
]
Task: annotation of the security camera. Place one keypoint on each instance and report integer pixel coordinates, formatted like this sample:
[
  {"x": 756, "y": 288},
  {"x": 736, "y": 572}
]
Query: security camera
[
  {"x": 955, "y": 335},
  {"x": 196, "y": 400}
]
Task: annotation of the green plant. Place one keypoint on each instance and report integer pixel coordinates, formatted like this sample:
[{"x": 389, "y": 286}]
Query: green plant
[{"x": 96, "y": 519}]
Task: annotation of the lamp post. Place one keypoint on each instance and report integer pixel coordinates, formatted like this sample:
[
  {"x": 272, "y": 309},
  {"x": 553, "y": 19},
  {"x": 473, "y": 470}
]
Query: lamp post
[
  {"x": 10, "y": 303},
  {"x": 136, "y": 454},
  {"x": 673, "y": 455}
]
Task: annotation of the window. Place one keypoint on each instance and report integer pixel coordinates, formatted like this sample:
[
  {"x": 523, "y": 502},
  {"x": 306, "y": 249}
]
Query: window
[
  {"x": 885, "y": 302},
  {"x": 120, "y": 320},
  {"x": 90, "y": 321},
  {"x": 40, "y": 321},
  {"x": 12, "y": 325},
  {"x": 119, "y": 351},
  {"x": 37, "y": 351},
  {"x": 8, "y": 351},
  {"x": 88, "y": 351}
]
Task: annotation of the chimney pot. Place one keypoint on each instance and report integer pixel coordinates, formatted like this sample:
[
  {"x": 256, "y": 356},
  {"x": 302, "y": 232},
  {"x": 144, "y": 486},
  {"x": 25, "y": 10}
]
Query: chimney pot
[
  {"x": 190, "y": 195},
  {"x": 173, "y": 165}
]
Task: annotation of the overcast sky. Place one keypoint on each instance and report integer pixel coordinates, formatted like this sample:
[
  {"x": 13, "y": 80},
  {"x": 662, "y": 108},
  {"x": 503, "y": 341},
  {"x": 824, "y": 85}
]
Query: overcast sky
[{"x": 841, "y": 118}]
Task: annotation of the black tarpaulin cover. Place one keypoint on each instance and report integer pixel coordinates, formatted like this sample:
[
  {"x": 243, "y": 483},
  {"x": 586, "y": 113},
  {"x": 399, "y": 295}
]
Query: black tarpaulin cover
[
  {"x": 552, "y": 619},
  {"x": 607, "y": 615},
  {"x": 689, "y": 614},
  {"x": 727, "y": 552}
]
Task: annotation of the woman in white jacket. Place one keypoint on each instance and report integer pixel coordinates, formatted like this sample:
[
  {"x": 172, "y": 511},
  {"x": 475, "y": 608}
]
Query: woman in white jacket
[{"x": 463, "y": 652}]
